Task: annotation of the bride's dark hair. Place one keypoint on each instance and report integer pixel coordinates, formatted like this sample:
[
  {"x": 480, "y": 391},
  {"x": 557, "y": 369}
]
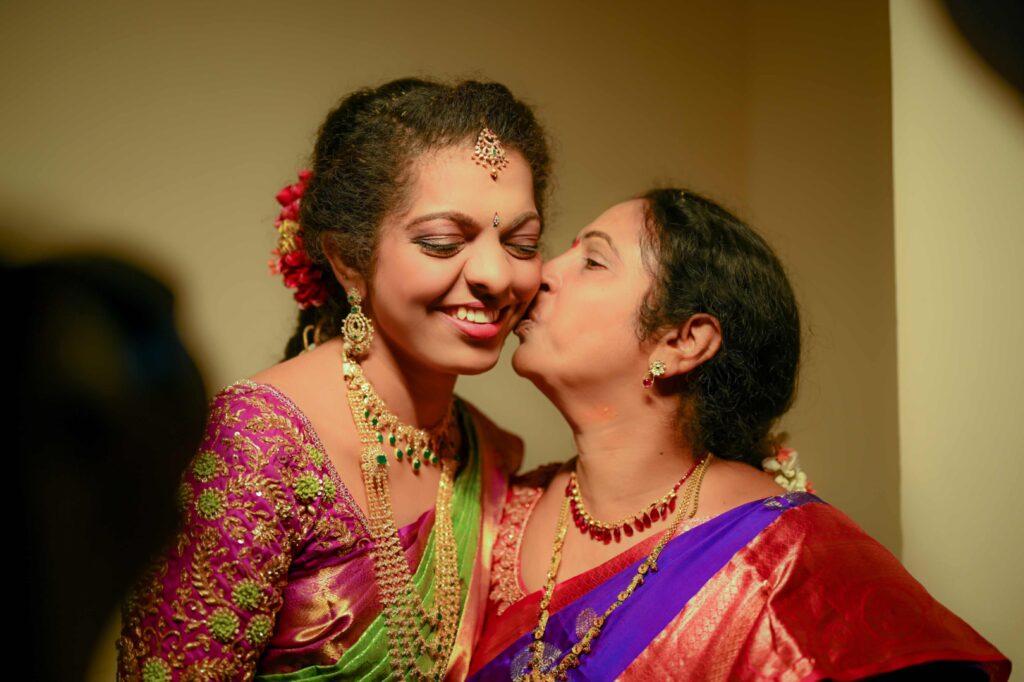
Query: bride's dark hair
[{"x": 705, "y": 260}]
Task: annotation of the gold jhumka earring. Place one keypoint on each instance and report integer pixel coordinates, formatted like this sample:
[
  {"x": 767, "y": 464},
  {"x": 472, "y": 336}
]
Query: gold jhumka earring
[{"x": 357, "y": 329}]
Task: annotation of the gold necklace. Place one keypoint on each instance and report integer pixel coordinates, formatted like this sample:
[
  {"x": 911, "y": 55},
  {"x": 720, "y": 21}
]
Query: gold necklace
[
  {"x": 687, "y": 509},
  {"x": 404, "y": 613},
  {"x": 416, "y": 445},
  {"x": 602, "y": 531}
]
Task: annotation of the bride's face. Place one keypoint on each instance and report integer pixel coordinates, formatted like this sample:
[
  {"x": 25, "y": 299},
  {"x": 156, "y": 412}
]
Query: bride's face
[
  {"x": 448, "y": 286},
  {"x": 582, "y": 327}
]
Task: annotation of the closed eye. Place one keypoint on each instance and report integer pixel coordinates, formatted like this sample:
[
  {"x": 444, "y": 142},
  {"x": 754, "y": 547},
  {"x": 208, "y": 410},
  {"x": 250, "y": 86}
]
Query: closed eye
[
  {"x": 524, "y": 250},
  {"x": 441, "y": 247}
]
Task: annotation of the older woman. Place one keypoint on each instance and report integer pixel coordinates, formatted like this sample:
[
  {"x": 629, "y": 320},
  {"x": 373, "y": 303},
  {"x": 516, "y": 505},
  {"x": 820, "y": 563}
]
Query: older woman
[
  {"x": 669, "y": 338},
  {"x": 337, "y": 521}
]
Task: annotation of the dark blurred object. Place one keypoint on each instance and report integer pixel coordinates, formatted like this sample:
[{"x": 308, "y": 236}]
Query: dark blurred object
[
  {"x": 108, "y": 407},
  {"x": 995, "y": 28}
]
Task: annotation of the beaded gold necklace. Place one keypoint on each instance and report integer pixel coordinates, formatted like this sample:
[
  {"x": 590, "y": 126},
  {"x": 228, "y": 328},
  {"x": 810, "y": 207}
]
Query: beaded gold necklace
[
  {"x": 560, "y": 671},
  {"x": 415, "y": 632}
]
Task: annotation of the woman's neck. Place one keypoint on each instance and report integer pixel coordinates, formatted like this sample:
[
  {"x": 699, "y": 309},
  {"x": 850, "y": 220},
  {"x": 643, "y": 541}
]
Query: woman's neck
[
  {"x": 416, "y": 395},
  {"x": 630, "y": 451}
]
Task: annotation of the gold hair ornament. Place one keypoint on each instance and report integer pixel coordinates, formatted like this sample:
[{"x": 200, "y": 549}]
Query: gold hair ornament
[{"x": 489, "y": 153}]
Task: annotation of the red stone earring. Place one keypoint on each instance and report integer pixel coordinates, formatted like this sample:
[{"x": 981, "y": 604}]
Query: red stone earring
[{"x": 656, "y": 369}]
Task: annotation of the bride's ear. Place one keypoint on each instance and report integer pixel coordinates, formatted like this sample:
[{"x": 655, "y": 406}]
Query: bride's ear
[
  {"x": 689, "y": 345},
  {"x": 346, "y": 275}
]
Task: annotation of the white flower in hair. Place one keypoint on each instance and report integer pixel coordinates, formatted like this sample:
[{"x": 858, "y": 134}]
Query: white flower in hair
[{"x": 785, "y": 468}]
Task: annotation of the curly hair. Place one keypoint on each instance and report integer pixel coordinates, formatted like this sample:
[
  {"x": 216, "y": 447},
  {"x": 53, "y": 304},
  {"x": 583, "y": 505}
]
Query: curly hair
[
  {"x": 361, "y": 167},
  {"x": 705, "y": 260}
]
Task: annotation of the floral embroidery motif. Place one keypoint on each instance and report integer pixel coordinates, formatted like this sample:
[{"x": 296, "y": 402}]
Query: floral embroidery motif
[
  {"x": 259, "y": 630},
  {"x": 256, "y": 492},
  {"x": 185, "y": 496},
  {"x": 210, "y": 504},
  {"x": 223, "y": 625},
  {"x": 247, "y": 595},
  {"x": 787, "y": 500},
  {"x": 519, "y": 667},
  {"x": 307, "y": 488},
  {"x": 330, "y": 490},
  {"x": 155, "y": 670},
  {"x": 315, "y": 455},
  {"x": 205, "y": 466},
  {"x": 585, "y": 619}
]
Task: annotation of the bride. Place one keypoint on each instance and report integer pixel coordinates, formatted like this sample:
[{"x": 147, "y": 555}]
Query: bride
[{"x": 337, "y": 521}]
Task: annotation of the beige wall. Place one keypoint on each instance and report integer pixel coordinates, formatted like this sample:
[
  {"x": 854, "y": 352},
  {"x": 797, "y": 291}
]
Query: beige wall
[
  {"x": 958, "y": 155},
  {"x": 819, "y": 183}
]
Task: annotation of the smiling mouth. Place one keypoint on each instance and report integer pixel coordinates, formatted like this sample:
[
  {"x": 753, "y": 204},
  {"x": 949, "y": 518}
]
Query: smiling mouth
[
  {"x": 478, "y": 323},
  {"x": 475, "y": 315}
]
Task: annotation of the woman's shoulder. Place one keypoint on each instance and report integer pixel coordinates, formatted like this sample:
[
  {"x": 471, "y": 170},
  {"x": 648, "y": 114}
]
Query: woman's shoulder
[
  {"x": 506, "y": 446},
  {"x": 258, "y": 409},
  {"x": 255, "y": 429},
  {"x": 829, "y": 580}
]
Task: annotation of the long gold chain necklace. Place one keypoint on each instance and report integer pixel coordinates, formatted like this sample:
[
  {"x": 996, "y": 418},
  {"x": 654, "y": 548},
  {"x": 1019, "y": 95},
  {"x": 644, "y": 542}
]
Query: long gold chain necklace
[
  {"x": 406, "y": 617},
  {"x": 687, "y": 508},
  {"x": 602, "y": 531}
]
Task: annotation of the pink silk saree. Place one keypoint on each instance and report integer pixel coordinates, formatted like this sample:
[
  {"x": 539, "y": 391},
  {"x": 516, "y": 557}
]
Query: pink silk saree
[{"x": 271, "y": 575}]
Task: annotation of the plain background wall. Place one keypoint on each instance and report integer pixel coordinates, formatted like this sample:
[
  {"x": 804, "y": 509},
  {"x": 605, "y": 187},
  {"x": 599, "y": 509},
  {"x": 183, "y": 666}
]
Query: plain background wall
[
  {"x": 958, "y": 150},
  {"x": 819, "y": 184},
  {"x": 163, "y": 133}
]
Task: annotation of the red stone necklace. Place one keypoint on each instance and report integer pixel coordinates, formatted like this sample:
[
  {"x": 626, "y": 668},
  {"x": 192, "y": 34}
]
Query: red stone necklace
[{"x": 639, "y": 522}]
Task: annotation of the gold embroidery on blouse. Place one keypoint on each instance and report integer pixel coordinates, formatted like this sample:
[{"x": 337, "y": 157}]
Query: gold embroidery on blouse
[
  {"x": 523, "y": 497},
  {"x": 241, "y": 511}
]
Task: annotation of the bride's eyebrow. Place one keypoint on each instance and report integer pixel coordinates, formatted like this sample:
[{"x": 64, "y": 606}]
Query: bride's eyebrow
[{"x": 456, "y": 217}]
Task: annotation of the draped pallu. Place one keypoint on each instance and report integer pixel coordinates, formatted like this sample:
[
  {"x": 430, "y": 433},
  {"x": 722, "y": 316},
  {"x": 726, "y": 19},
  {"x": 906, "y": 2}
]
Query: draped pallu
[{"x": 785, "y": 588}]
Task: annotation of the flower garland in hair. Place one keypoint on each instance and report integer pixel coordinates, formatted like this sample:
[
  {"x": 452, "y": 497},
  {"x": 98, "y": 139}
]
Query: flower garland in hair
[
  {"x": 785, "y": 468},
  {"x": 289, "y": 259}
]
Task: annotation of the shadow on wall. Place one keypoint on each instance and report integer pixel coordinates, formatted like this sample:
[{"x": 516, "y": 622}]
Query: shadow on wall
[
  {"x": 108, "y": 407},
  {"x": 995, "y": 30}
]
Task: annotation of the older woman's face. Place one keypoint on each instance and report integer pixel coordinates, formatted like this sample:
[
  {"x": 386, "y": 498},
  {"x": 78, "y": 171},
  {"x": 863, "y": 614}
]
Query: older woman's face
[{"x": 581, "y": 329}]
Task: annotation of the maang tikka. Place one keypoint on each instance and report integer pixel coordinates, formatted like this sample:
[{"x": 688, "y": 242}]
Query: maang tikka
[
  {"x": 356, "y": 329},
  {"x": 489, "y": 153},
  {"x": 656, "y": 369}
]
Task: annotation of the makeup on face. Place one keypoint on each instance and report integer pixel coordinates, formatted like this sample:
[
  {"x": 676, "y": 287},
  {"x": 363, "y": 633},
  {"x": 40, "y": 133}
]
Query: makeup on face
[{"x": 448, "y": 286}]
